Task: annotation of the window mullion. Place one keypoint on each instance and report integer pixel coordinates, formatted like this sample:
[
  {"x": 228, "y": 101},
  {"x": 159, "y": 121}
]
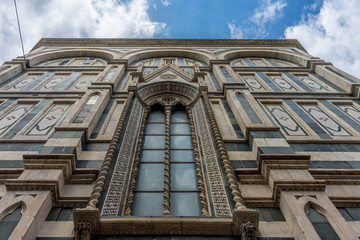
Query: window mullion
[{"x": 166, "y": 203}]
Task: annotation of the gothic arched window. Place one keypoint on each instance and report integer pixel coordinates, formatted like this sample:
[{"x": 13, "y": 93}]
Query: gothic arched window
[
  {"x": 9, "y": 222},
  {"x": 322, "y": 225},
  {"x": 166, "y": 183}
]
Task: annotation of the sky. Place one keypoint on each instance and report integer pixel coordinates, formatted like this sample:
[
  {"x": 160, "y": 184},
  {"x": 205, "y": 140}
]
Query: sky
[{"x": 326, "y": 28}]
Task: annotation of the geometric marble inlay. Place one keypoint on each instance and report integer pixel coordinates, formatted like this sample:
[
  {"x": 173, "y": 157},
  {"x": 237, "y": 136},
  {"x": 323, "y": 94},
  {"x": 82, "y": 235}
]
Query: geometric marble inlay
[
  {"x": 13, "y": 116},
  {"x": 283, "y": 84},
  {"x": 312, "y": 84},
  {"x": 253, "y": 83},
  {"x": 351, "y": 111},
  {"x": 48, "y": 121},
  {"x": 83, "y": 82},
  {"x": 285, "y": 120},
  {"x": 53, "y": 82},
  {"x": 330, "y": 125},
  {"x": 19, "y": 84}
]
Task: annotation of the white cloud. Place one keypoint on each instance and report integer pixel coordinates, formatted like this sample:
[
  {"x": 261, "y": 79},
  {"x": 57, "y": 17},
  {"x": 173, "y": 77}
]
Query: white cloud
[
  {"x": 235, "y": 31},
  {"x": 333, "y": 34},
  {"x": 269, "y": 11},
  {"x": 165, "y": 3},
  {"x": 68, "y": 18},
  {"x": 254, "y": 26}
]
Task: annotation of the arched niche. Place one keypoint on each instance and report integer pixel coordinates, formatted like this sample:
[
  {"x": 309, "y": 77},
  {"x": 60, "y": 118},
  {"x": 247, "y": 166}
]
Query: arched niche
[
  {"x": 58, "y": 54},
  {"x": 146, "y": 54},
  {"x": 274, "y": 54}
]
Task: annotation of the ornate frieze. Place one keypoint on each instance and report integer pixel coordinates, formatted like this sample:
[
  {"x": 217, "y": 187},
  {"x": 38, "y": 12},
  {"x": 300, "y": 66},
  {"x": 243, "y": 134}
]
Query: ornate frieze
[
  {"x": 217, "y": 189},
  {"x": 95, "y": 194},
  {"x": 199, "y": 169},
  {"x": 117, "y": 183},
  {"x": 135, "y": 169}
]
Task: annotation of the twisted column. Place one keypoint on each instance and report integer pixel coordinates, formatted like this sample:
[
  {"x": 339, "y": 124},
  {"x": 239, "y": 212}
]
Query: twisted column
[
  {"x": 235, "y": 190},
  {"x": 135, "y": 170},
  {"x": 166, "y": 203},
  {"x": 95, "y": 194},
  {"x": 199, "y": 173}
]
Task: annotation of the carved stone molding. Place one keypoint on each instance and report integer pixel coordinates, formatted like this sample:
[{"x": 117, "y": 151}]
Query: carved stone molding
[
  {"x": 199, "y": 171},
  {"x": 116, "y": 188},
  {"x": 94, "y": 197},
  {"x": 217, "y": 191},
  {"x": 135, "y": 170},
  {"x": 235, "y": 190},
  {"x": 166, "y": 203},
  {"x": 187, "y": 92}
]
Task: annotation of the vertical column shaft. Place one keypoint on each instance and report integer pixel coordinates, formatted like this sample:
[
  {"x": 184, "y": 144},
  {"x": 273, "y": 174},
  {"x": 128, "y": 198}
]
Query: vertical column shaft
[
  {"x": 166, "y": 203},
  {"x": 199, "y": 173}
]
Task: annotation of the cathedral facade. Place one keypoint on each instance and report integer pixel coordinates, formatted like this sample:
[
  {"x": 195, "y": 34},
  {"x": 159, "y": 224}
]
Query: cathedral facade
[{"x": 178, "y": 139}]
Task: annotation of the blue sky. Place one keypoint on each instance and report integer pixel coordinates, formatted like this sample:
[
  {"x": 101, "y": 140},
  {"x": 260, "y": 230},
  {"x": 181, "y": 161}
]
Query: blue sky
[
  {"x": 210, "y": 18},
  {"x": 326, "y": 28}
]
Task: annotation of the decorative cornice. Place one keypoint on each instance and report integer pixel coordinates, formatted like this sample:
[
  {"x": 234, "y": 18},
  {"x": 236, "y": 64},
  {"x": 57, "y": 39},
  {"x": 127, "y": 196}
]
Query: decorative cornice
[{"x": 137, "y": 42}]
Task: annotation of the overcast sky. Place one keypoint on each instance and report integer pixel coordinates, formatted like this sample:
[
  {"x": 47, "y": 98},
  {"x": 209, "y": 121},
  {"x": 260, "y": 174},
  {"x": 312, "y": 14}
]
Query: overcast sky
[{"x": 328, "y": 29}]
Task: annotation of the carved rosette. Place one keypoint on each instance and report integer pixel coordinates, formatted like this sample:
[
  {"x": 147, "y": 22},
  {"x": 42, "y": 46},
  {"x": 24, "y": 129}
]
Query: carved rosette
[
  {"x": 99, "y": 183},
  {"x": 166, "y": 203},
  {"x": 199, "y": 173},
  {"x": 235, "y": 190},
  {"x": 135, "y": 170}
]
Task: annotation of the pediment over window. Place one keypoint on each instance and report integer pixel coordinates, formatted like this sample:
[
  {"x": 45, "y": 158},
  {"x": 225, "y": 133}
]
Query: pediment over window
[{"x": 169, "y": 72}]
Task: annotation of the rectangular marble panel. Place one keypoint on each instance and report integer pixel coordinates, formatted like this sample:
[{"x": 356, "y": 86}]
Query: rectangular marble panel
[
  {"x": 49, "y": 119},
  {"x": 13, "y": 116}
]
